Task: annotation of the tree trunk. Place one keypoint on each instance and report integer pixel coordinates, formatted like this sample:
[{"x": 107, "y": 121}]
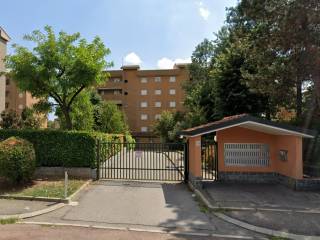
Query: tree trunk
[
  {"x": 66, "y": 113},
  {"x": 298, "y": 98}
]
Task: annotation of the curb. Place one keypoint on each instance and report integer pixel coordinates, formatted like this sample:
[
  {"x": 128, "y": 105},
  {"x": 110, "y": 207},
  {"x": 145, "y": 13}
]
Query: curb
[
  {"x": 175, "y": 232},
  {"x": 33, "y": 214},
  {"x": 312, "y": 211},
  {"x": 59, "y": 203},
  {"x": 248, "y": 226},
  {"x": 47, "y": 199}
]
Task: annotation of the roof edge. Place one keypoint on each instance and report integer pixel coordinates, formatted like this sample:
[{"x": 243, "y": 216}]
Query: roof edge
[{"x": 247, "y": 118}]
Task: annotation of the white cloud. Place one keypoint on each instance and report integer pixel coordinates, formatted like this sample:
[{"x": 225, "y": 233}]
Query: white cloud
[
  {"x": 166, "y": 63},
  {"x": 132, "y": 59},
  {"x": 204, "y": 12}
]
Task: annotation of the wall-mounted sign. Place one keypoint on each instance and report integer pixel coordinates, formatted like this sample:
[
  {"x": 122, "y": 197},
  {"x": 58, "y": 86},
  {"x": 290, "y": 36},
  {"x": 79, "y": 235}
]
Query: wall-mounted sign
[{"x": 283, "y": 155}]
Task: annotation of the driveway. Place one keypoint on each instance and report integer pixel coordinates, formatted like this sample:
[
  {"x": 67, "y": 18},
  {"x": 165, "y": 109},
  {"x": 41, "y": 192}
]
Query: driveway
[{"x": 141, "y": 206}]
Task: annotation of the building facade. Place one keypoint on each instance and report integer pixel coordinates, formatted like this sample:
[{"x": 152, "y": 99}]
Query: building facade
[
  {"x": 144, "y": 94},
  {"x": 4, "y": 38}
]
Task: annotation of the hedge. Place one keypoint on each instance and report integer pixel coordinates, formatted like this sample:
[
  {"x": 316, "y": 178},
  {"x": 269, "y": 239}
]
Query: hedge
[{"x": 55, "y": 148}]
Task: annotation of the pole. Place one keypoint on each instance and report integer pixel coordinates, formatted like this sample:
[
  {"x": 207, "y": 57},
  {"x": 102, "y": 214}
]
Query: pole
[{"x": 65, "y": 184}]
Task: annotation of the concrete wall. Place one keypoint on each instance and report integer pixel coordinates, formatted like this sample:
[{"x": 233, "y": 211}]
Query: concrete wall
[
  {"x": 290, "y": 168},
  {"x": 58, "y": 172}
]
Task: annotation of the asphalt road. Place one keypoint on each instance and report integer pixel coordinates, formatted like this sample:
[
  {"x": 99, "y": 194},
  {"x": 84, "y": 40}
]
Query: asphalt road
[{"x": 37, "y": 232}]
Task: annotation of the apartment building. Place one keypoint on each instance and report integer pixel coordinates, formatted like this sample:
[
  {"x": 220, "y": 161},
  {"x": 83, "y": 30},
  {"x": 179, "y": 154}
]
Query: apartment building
[
  {"x": 144, "y": 94},
  {"x": 4, "y": 39}
]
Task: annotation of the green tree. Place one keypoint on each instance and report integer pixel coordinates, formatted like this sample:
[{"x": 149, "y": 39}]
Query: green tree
[
  {"x": 109, "y": 119},
  {"x": 198, "y": 91},
  {"x": 59, "y": 67},
  {"x": 282, "y": 43},
  {"x": 232, "y": 95},
  {"x": 10, "y": 120},
  {"x": 30, "y": 119},
  {"x": 169, "y": 125},
  {"x": 81, "y": 113}
]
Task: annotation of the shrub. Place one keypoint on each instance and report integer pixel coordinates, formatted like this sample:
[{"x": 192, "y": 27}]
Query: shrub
[
  {"x": 55, "y": 148},
  {"x": 17, "y": 160}
]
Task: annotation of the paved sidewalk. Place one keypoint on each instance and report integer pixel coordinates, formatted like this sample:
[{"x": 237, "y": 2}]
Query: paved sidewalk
[
  {"x": 142, "y": 206},
  {"x": 261, "y": 196},
  {"x": 272, "y": 207},
  {"x": 12, "y": 207}
]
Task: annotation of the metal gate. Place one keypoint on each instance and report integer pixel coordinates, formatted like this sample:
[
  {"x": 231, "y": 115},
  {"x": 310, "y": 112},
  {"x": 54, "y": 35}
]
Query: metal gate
[
  {"x": 142, "y": 161},
  {"x": 209, "y": 159}
]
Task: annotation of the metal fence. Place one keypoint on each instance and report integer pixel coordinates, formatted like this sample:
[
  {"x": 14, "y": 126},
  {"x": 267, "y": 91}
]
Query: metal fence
[
  {"x": 142, "y": 161},
  {"x": 209, "y": 158}
]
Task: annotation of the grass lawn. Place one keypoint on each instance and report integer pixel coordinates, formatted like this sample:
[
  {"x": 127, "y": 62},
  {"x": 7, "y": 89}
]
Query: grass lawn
[{"x": 47, "y": 188}]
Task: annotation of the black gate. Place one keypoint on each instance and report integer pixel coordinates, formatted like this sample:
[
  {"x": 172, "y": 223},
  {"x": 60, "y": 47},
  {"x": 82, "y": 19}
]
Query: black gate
[
  {"x": 142, "y": 161},
  {"x": 209, "y": 158}
]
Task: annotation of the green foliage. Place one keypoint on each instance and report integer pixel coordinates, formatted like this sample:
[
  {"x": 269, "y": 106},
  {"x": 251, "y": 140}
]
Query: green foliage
[
  {"x": 109, "y": 119},
  {"x": 62, "y": 148},
  {"x": 81, "y": 113},
  {"x": 27, "y": 120},
  {"x": 59, "y": 66},
  {"x": 284, "y": 57},
  {"x": 168, "y": 126},
  {"x": 232, "y": 95},
  {"x": 10, "y": 120},
  {"x": 17, "y": 160}
]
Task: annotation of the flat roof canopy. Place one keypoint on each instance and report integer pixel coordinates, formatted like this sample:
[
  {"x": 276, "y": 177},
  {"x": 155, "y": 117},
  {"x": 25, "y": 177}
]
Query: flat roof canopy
[{"x": 249, "y": 122}]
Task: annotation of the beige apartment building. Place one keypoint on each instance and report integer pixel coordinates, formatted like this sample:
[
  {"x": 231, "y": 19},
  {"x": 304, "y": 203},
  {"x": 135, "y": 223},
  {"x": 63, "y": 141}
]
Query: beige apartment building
[
  {"x": 144, "y": 94},
  {"x": 15, "y": 99},
  {"x": 4, "y": 39}
]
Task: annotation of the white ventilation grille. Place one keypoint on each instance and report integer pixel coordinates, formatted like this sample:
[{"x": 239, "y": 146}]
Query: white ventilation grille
[{"x": 246, "y": 154}]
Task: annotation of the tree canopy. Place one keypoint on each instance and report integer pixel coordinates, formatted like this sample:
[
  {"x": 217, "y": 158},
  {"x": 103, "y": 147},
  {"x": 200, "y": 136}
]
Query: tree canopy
[{"x": 60, "y": 66}]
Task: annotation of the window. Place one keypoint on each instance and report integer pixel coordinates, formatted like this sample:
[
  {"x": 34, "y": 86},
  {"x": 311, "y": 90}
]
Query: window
[
  {"x": 157, "y": 92},
  {"x": 7, "y": 105},
  {"x": 7, "y": 93},
  {"x": 246, "y": 154},
  {"x": 144, "y": 92},
  {"x": 157, "y": 116},
  {"x": 7, "y": 81},
  {"x": 144, "y": 80},
  {"x": 172, "y": 79},
  {"x": 143, "y": 104},
  {"x": 172, "y": 104},
  {"x": 157, "y": 79},
  {"x": 116, "y": 80},
  {"x": 116, "y": 92},
  {"x": 144, "y": 117},
  {"x": 144, "y": 129},
  {"x": 125, "y": 93},
  {"x": 172, "y": 92},
  {"x": 157, "y": 104},
  {"x": 20, "y": 106}
]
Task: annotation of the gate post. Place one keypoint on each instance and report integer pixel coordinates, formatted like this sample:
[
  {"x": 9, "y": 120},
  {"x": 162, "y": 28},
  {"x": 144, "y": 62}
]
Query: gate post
[
  {"x": 195, "y": 168},
  {"x": 186, "y": 161},
  {"x": 98, "y": 159}
]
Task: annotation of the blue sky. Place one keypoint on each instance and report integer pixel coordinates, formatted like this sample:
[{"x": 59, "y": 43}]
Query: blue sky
[{"x": 152, "y": 33}]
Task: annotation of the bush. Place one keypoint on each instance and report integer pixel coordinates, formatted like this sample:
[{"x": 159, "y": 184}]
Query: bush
[
  {"x": 55, "y": 148},
  {"x": 17, "y": 160}
]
